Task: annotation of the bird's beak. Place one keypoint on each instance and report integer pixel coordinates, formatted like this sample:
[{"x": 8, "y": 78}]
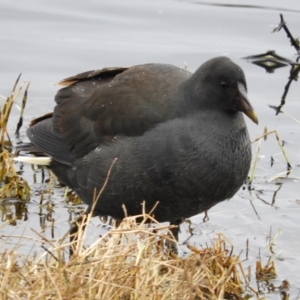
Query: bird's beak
[{"x": 244, "y": 105}]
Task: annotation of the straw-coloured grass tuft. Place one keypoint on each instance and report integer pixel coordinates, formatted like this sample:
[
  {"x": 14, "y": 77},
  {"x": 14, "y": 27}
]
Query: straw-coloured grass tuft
[{"x": 129, "y": 262}]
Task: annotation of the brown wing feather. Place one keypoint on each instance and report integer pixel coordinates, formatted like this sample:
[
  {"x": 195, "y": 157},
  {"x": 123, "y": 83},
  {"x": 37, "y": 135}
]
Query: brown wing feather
[
  {"x": 116, "y": 101},
  {"x": 110, "y": 72},
  {"x": 41, "y": 118}
]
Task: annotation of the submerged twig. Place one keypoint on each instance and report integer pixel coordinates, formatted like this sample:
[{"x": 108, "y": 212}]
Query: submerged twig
[{"x": 294, "y": 42}]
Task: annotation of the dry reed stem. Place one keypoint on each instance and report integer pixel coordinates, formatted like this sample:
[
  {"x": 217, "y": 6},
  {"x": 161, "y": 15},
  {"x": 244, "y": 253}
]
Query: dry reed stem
[
  {"x": 11, "y": 185},
  {"x": 259, "y": 140}
]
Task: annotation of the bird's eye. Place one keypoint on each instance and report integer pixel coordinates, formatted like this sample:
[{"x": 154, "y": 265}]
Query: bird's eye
[{"x": 224, "y": 84}]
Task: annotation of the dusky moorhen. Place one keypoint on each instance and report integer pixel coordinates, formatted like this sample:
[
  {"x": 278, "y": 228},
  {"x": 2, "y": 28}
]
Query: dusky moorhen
[{"x": 179, "y": 138}]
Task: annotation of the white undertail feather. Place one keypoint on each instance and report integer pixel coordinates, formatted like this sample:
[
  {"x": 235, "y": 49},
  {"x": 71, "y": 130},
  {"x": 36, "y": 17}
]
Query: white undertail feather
[{"x": 42, "y": 161}]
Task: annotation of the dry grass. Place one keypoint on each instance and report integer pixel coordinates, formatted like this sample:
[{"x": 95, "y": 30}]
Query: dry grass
[
  {"x": 11, "y": 185},
  {"x": 129, "y": 262}
]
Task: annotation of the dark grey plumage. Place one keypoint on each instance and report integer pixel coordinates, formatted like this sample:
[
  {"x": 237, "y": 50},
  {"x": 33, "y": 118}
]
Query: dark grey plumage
[{"x": 179, "y": 138}]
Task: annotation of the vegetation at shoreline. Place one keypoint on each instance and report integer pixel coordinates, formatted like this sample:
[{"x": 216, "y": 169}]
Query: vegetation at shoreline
[
  {"x": 131, "y": 262},
  {"x": 11, "y": 184}
]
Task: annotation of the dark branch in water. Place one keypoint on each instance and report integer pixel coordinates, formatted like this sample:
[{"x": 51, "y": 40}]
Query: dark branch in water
[
  {"x": 271, "y": 61},
  {"x": 293, "y": 76},
  {"x": 295, "y": 42}
]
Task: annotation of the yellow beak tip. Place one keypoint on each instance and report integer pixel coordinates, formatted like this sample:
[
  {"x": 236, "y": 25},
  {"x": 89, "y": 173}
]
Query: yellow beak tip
[{"x": 251, "y": 114}]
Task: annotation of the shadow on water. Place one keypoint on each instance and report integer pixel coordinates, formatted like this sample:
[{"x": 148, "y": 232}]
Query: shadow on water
[{"x": 246, "y": 6}]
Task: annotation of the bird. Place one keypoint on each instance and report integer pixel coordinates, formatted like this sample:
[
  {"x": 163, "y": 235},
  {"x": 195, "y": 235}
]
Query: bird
[{"x": 154, "y": 133}]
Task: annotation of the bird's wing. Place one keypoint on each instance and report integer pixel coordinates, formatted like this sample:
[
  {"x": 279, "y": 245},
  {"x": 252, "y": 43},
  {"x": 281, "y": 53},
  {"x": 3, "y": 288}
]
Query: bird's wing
[{"x": 96, "y": 106}]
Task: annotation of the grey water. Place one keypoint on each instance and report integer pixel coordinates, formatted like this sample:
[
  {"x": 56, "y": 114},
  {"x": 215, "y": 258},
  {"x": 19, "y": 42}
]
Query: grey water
[{"x": 51, "y": 40}]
